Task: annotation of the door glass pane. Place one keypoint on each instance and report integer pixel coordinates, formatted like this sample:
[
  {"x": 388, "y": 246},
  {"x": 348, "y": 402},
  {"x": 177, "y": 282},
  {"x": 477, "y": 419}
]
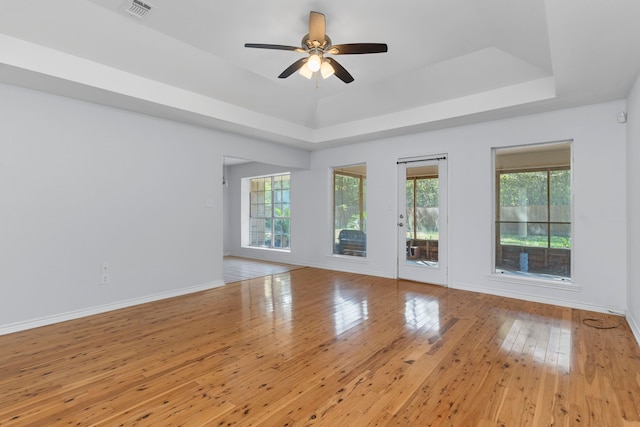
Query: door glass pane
[
  {"x": 423, "y": 212},
  {"x": 410, "y": 223}
]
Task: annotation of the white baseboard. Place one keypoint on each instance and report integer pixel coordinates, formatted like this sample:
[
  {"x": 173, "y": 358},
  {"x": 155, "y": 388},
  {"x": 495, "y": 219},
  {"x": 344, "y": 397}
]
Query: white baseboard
[
  {"x": 634, "y": 325},
  {"x": 542, "y": 300},
  {"x": 63, "y": 317}
]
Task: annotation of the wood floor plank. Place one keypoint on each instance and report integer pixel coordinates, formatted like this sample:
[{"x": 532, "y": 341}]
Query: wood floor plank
[{"x": 314, "y": 347}]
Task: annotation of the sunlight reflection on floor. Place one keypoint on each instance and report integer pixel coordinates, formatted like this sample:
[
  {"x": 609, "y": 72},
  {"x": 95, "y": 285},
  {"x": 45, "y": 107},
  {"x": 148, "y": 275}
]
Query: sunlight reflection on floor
[
  {"x": 540, "y": 340},
  {"x": 420, "y": 310},
  {"x": 348, "y": 313}
]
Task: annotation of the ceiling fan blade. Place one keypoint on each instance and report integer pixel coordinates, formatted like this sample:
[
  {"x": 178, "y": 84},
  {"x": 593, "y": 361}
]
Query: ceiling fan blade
[
  {"x": 274, "y": 46},
  {"x": 340, "y": 71},
  {"x": 317, "y": 27},
  {"x": 293, "y": 68},
  {"x": 357, "y": 48}
]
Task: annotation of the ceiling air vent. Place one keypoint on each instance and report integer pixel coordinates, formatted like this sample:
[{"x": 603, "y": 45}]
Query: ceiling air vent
[{"x": 137, "y": 8}]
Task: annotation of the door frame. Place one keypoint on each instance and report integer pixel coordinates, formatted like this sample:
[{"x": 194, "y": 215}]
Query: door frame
[{"x": 445, "y": 277}]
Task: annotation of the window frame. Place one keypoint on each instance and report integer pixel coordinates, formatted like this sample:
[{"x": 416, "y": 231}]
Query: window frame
[
  {"x": 541, "y": 279},
  {"x": 362, "y": 196},
  {"x": 272, "y": 216}
]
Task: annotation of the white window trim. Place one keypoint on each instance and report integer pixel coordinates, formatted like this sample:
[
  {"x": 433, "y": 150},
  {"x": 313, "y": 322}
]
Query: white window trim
[
  {"x": 245, "y": 214},
  {"x": 557, "y": 282},
  {"x": 531, "y": 280}
]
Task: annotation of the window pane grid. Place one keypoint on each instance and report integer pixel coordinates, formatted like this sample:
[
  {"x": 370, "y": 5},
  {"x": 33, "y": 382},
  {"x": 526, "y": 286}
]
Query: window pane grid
[
  {"x": 533, "y": 211},
  {"x": 527, "y": 202},
  {"x": 270, "y": 215}
]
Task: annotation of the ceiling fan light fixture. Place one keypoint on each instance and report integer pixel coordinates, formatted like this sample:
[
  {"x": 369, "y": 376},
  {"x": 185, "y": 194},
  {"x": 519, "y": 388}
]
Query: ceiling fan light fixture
[
  {"x": 306, "y": 72},
  {"x": 316, "y": 44},
  {"x": 326, "y": 70},
  {"x": 314, "y": 62}
]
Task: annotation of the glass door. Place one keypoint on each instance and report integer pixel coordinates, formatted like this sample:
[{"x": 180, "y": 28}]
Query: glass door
[{"x": 422, "y": 220}]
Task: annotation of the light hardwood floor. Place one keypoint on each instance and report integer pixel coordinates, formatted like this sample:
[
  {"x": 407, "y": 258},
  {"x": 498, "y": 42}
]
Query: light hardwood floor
[
  {"x": 238, "y": 268},
  {"x": 323, "y": 348}
]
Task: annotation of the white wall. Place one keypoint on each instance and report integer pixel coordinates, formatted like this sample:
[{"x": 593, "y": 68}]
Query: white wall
[
  {"x": 600, "y": 262},
  {"x": 633, "y": 207},
  {"x": 82, "y": 183}
]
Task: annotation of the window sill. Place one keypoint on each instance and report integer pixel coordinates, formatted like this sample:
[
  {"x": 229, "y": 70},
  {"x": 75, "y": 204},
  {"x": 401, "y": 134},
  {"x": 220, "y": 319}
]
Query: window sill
[
  {"x": 261, "y": 248},
  {"x": 530, "y": 279}
]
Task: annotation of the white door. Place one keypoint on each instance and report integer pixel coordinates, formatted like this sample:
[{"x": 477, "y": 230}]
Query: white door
[{"x": 422, "y": 220}]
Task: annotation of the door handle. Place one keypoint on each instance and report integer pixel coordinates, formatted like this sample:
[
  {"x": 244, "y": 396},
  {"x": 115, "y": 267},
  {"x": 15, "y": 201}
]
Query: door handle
[{"x": 400, "y": 224}]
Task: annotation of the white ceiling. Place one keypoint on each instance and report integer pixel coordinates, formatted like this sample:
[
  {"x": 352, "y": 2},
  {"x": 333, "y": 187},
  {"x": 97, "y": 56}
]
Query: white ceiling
[{"x": 450, "y": 62}]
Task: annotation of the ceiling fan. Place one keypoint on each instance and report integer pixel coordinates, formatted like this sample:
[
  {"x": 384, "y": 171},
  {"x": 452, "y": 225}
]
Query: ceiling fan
[{"x": 318, "y": 44}]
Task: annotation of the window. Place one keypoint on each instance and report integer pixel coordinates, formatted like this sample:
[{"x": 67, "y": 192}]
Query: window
[
  {"x": 533, "y": 210},
  {"x": 349, "y": 210},
  {"x": 270, "y": 212}
]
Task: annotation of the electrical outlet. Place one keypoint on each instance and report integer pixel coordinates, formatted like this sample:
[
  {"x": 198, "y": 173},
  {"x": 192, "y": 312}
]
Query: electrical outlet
[{"x": 105, "y": 280}]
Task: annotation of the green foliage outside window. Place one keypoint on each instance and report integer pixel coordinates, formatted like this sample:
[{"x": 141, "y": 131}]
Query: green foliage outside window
[
  {"x": 535, "y": 208},
  {"x": 422, "y": 216}
]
